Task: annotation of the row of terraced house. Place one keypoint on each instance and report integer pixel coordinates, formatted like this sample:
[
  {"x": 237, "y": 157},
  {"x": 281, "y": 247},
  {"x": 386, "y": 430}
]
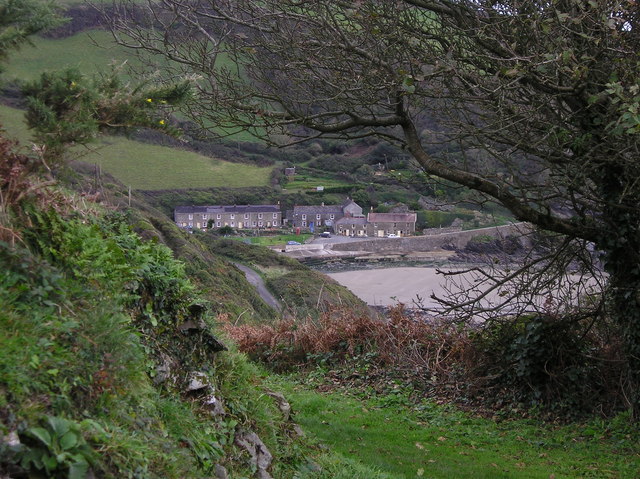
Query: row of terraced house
[{"x": 346, "y": 219}]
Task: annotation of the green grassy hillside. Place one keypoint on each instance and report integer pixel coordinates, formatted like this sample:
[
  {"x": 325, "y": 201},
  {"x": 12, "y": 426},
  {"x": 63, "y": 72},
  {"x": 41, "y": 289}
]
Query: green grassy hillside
[
  {"x": 90, "y": 51},
  {"x": 149, "y": 167}
]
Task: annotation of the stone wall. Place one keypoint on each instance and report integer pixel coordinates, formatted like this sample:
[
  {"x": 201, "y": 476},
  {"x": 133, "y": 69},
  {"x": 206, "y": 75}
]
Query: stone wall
[{"x": 457, "y": 240}]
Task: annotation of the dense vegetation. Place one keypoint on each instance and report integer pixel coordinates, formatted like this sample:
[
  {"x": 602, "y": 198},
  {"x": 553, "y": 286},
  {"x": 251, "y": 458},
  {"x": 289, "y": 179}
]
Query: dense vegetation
[{"x": 118, "y": 331}]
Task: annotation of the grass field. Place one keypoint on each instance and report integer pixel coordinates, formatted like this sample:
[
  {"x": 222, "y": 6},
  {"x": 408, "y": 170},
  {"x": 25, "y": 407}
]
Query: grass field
[
  {"x": 275, "y": 239},
  {"x": 308, "y": 183},
  {"x": 149, "y": 167},
  {"x": 12, "y": 120},
  {"x": 431, "y": 442},
  {"x": 91, "y": 51}
]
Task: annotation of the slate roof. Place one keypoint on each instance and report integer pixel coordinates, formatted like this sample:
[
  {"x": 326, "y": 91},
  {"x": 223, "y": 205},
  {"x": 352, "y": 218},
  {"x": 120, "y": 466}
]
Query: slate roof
[
  {"x": 190, "y": 209},
  {"x": 237, "y": 209},
  {"x": 317, "y": 210},
  {"x": 352, "y": 220},
  {"x": 392, "y": 217}
]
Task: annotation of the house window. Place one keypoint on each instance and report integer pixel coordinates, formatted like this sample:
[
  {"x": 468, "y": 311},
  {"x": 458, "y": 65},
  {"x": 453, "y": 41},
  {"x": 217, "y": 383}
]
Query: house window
[
  {"x": 332, "y": 217},
  {"x": 255, "y": 224},
  {"x": 318, "y": 217},
  {"x": 184, "y": 224},
  {"x": 233, "y": 223},
  {"x": 304, "y": 217},
  {"x": 246, "y": 216},
  {"x": 259, "y": 216},
  {"x": 190, "y": 217},
  {"x": 304, "y": 223},
  {"x": 275, "y": 223},
  {"x": 218, "y": 224},
  {"x": 275, "y": 216},
  {"x": 204, "y": 217},
  {"x": 260, "y": 224},
  {"x": 232, "y": 216},
  {"x": 218, "y": 217}
]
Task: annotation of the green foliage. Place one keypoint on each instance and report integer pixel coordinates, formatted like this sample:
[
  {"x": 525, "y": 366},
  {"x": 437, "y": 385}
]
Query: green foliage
[
  {"x": 310, "y": 293},
  {"x": 225, "y": 230},
  {"x": 67, "y": 107},
  {"x": 550, "y": 362},
  {"x": 19, "y": 19},
  {"x": 57, "y": 448},
  {"x": 430, "y": 440}
]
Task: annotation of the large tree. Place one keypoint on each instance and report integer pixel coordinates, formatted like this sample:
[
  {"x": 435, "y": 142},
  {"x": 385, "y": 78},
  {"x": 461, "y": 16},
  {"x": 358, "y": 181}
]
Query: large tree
[{"x": 547, "y": 91}]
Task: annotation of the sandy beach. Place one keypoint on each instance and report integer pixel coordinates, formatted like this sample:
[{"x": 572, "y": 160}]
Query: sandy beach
[{"x": 389, "y": 286}]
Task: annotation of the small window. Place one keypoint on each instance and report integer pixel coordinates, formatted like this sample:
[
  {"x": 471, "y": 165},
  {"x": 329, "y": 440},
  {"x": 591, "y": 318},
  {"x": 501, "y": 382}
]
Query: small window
[
  {"x": 246, "y": 216},
  {"x": 317, "y": 217},
  {"x": 332, "y": 217},
  {"x": 218, "y": 217},
  {"x": 255, "y": 224},
  {"x": 275, "y": 223},
  {"x": 232, "y": 216},
  {"x": 190, "y": 217},
  {"x": 259, "y": 216},
  {"x": 275, "y": 216},
  {"x": 218, "y": 224},
  {"x": 304, "y": 217},
  {"x": 260, "y": 224},
  {"x": 304, "y": 223},
  {"x": 204, "y": 217}
]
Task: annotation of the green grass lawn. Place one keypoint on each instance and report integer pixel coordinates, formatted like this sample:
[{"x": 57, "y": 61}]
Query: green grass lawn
[
  {"x": 311, "y": 182},
  {"x": 276, "y": 239},
  {"x": 12, "y": 120},
  {"x": 90, "y": 51},
  {"x": 429, "y": 442},
  {"x": 149, "y": 167}
]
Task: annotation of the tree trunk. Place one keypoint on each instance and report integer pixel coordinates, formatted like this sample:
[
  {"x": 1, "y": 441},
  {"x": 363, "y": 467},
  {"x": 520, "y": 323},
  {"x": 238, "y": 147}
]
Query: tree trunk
[{"x": 621, "y": 243}]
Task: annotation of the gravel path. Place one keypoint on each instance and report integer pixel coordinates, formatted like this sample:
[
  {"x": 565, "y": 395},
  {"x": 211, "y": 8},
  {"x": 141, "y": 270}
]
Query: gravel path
[{"x": 255, "y": 279}]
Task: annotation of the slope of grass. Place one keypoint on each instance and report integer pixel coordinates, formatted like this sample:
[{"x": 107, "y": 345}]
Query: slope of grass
[
  {"x": 13, "y": 122},
  {"x": 431, "y": 442},
  {"x": 148, "y": 167},
  {"x": 89, "y": 51}
]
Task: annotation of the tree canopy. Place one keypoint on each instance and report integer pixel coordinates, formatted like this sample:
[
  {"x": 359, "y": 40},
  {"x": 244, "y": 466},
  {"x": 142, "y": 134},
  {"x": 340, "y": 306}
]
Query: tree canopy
[{"x": 19, "y": 19}]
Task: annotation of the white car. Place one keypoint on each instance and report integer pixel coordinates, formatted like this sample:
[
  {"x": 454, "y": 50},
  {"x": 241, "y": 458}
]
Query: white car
[{"x": 392, "y": 236}]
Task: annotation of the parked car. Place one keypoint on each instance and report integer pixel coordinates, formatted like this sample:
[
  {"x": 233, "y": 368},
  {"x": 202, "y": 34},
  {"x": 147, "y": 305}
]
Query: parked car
[
  {"x": 325, "y": 234},
  {"x": 392, "y": 235},
  {"x": 293, "y": 242}
]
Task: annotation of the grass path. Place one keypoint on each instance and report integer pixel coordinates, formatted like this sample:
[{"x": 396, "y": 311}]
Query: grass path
[{"x": 429, "y": 442}]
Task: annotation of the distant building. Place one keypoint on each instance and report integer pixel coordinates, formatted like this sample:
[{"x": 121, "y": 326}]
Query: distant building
[
  {"x": 347, "y": 220},
  {"x": 384, "y": 224},
  {"x": 236, "y": 216},
  {"x": 289, "y": 172},
  {"x": 351, "y": 226},
  {"x": 316, "y": 216}
]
